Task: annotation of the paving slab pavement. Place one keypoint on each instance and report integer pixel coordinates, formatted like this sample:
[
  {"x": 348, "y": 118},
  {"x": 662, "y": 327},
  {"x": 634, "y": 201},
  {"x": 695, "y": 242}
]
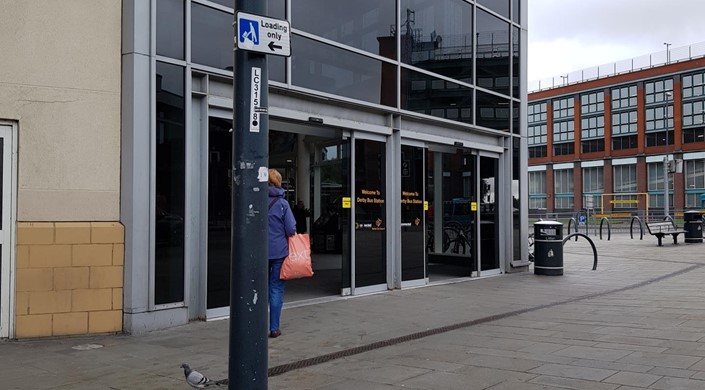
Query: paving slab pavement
[{"x": 635, "y": 323}]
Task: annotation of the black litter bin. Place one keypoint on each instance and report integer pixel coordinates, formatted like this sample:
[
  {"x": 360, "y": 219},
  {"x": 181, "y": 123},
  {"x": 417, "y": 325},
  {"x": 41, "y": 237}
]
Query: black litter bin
[
  {"x": 548, "y": 248},
  {"x": 693, "y": 226}
]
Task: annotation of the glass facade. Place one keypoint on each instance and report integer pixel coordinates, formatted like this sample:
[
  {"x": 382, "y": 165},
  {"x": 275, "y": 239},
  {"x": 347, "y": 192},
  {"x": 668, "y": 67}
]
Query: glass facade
[
  {"x": 436, "y": 61},
  {"x": 694, "y": 182},
  {"x": 563, "y": 189},
  {"x": 693, "y": 107},
  {"x": 170, "y": 185},
  {"x": 537, "y": 190},
  {"x": 625, "y": 180},
  {"x": 654, "y": 174},
  {"x": 593, "y": 186}
]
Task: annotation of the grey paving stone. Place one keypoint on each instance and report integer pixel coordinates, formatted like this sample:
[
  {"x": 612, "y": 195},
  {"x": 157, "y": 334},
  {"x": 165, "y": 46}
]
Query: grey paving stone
[
  {"x": 674, "y": 372},
  {"x": 592, "y": 353},
  {"x": 569, "y": 383},
  {"x": 633, "y": 379},
  {"x": 660, "y": 359},
  {"x": 668, "y": 383},
  {"x": 575, "y": 372}
]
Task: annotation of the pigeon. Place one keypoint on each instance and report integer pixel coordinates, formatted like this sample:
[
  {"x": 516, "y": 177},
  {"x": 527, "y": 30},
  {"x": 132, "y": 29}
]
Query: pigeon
[{"x": 199, "y": 381}]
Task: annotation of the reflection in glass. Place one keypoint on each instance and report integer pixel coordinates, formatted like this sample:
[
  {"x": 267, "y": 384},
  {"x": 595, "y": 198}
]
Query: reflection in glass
[
  {"x": 370, "y": 216},
  {"x": 220, "y": 141},
  {"x": 211, "y": 37},
  {"x": 437, "y": 36},
  {"x": 499, "y": 6},
  {"x": 170, "y": 185},
  {"x": 437, "y": 97},
  {"x": 489, "y": 228},
  {"x": 277, "y": 68},
  {"x": 276, "y": 9},
  {"x": 492, "y": 111},
  {"x": 364, "y": 24},
  {"x": 516, "y": 114},
  {"x": 413, "y": 259},
  {"x": 332, "y": 70},
  {"x": 170, "y": 28},
  {"x": 516, "y": 47},
  {"x": 516, "y": 13},
  {"x": 516, "y": 203},
  {"x": 451, "y": 214},
  {"x": 493, "y": 52}
]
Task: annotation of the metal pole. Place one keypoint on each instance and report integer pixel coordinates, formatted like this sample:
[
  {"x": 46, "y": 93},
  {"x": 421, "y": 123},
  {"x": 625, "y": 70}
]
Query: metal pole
[
  {"x": 666, "y": 210},
  {"x": 248, "y": 349}
]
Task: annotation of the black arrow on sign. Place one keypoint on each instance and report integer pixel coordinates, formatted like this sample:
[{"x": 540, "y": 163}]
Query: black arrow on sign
[{"x": 272, "y": 46}]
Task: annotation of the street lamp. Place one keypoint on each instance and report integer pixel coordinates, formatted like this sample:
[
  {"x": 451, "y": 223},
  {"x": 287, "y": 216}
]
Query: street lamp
[
  {"x": 565, "y": 79},
  {"x": 668, "y": 52},
  {"x": 666, "y": 194}
]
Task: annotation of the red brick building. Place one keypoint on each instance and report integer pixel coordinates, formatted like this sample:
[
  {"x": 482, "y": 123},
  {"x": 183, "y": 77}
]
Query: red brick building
[{"x": 602, "y": 143}]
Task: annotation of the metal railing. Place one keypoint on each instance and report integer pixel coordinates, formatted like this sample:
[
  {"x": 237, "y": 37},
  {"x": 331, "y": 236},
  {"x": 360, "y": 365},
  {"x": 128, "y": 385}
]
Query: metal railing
[{"x": 678, "y": 54}]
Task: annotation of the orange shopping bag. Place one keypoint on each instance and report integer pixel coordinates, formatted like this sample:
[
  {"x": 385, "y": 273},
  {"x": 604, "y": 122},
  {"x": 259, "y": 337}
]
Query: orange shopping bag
[{"x": 298, "y": 263}]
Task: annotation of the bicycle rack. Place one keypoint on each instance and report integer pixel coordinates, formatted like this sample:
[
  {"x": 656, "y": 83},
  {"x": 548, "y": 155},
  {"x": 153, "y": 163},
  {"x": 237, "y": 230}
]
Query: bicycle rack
[
  {"x": 592, "y": 244},
  {"x": 609, "y": 229},
  {"x": 571, "y": 220},
  {"x": 641, "y": 227},
  {"x": 668, "y": 218}
]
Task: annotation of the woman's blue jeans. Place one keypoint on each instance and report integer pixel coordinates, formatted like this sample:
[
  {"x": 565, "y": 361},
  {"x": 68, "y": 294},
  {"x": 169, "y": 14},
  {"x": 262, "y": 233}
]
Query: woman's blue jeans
[{"x": 276, "y": 293}]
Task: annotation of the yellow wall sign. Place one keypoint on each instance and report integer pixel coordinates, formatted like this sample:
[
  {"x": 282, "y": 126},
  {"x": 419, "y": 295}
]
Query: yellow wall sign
[
  {"x": 346, "y": 202},
  {"x": 473, "y": 206},
  {"x": 624, "y": 201},
  {"x": 425, "y": 205}
]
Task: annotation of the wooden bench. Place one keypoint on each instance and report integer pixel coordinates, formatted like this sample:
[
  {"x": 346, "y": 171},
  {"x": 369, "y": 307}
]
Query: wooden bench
[{"x": 660, "y": 229}]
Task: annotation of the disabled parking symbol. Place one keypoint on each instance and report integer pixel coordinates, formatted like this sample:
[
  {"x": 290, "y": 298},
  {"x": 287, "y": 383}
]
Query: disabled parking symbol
[{"x": 248, "y": 33}]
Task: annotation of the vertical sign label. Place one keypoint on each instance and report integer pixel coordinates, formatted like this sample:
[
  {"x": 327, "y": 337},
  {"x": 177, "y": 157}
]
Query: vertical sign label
[{"x": 255, "y": 99}]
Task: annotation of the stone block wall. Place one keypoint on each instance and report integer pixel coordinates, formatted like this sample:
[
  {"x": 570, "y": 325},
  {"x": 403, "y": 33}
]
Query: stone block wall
[{"x": 69, "y": 278}]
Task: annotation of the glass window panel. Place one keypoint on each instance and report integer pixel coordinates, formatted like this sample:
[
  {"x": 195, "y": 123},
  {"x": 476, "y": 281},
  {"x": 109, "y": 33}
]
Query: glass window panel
[
  {"x": 434, "y": 101},
  {"x": 492, "y": 111},
  {"x": 275, "y": 8},
  {"x": 499, "y": 6},
  {"x": 277, "y": 68},
  {"x": 369, "y": 25},
  {"x": 333, "y": 70},
  {"x": 516, "y": 74},
  {"x": 170, "y": 185},
  {"x": 170, "y": 28},
  {"x": 516, "y": 11},
  {"x": 437, "y": 36},
  {"x": 211, "y": 37},
  {"x": 492, "y": 49}
]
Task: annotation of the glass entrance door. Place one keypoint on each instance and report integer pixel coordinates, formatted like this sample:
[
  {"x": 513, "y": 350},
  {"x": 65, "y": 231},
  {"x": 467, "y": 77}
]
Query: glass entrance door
[
  {"x": 413, "y": 253},
  {"x": 450, "y": 233},
  {"x": 6, "y": 200},
  {"x": 370, "y": 259},
  {"x": 489, "y": 233}
]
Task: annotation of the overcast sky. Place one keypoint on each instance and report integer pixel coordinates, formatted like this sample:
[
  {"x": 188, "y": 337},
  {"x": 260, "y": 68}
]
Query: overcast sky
[{"x": 570, "y": 35}]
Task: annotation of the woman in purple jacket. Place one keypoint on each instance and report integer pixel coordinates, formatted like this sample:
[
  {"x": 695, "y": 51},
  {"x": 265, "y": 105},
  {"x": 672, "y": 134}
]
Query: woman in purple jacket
[{"x": 282, "y": 225}]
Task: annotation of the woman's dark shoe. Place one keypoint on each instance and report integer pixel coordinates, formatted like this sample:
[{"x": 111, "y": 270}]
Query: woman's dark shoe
[{"x": 275, "y": 333}]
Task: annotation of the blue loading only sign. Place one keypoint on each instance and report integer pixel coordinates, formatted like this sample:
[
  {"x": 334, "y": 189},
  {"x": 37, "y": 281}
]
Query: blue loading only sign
[{"x": 262, "y": 34}]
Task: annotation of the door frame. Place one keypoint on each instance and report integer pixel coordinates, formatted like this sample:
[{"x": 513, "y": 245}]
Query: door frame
[{"x": 8, "y": 131}]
